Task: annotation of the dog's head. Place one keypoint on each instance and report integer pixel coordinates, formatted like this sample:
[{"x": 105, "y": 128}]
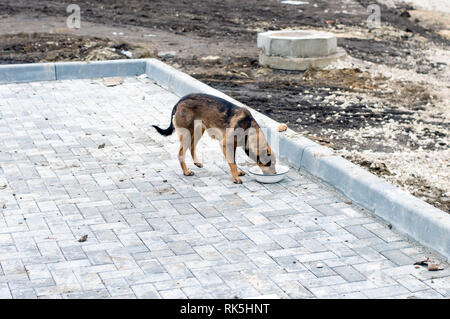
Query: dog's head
[{"x": 256, "y": 148}]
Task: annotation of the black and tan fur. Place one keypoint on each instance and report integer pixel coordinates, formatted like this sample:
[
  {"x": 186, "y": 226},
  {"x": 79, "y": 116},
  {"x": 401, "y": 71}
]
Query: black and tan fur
[{"x": 218, "y": 114}]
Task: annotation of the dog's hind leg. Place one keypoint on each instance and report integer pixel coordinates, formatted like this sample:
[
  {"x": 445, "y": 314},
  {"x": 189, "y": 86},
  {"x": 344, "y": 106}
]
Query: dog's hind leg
[
  {"x": 184, "y": 145},
  {"x": 230, "y": 158},
  {"x": 194, "y": 141}
]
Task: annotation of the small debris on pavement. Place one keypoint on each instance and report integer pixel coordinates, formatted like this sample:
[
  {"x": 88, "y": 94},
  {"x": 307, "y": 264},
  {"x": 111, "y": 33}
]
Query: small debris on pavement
[
  {"x": 101, "y": 146},
  {"x": 435, "y": 267},
  {"x": 3, "y": 186},
  {"x": 423, "y": 262},
  {"x": 83, "y": 239},
  {"x": 282, "y": 127},
  {"x": 319, "y": 265},
  {"x": 432, "y": 266},
  {"x": 164, "y": 190},
  {"x": 113, "y": 81}
]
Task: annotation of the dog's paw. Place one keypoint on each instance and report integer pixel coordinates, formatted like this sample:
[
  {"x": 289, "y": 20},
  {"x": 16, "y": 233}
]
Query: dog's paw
[
  {"x": 237, "y": 181},
  {"x": 241, "y": 173},
  {"x": 199, "y": 165},
  {"x": 188, "y": 173}
]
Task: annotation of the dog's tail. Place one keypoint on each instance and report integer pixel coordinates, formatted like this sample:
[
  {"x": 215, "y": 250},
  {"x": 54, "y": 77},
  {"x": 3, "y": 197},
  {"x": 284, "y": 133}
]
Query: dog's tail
[{"x": 168, "y": 131}]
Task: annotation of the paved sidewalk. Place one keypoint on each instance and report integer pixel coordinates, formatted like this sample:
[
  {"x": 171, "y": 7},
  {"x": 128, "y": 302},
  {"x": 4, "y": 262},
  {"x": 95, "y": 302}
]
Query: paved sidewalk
[{"x": 78, "y": 158}]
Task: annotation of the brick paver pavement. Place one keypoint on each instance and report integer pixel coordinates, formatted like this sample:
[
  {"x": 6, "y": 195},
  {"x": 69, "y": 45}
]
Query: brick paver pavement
[{"x": 78, "y": 158}]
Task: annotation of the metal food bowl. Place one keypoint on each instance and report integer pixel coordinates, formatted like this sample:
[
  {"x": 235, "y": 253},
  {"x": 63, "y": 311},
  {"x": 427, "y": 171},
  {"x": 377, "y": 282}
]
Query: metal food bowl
[{"x": 257, "y": 173}]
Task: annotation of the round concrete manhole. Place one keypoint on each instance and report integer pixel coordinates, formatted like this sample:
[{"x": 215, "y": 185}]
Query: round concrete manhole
[
  {"x": 292, "y": 34},
  {"x": 297, "y": 49}
]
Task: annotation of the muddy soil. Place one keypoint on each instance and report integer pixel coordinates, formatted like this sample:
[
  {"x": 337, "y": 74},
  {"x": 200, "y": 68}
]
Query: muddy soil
[
  {"x": 383, "y": 107},
  {"x": 46, "y": 47},
  {"x": 211, "y": 18},
  {"x": 41, "y": 47}
]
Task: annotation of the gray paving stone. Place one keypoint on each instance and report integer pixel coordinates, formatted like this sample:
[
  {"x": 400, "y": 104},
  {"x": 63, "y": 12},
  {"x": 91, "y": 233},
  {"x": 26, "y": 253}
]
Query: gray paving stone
[
  {"x": 398, "y": 258},
  {"x": 327, "y": 292},
  {"x": 320, "y": 269},
  {"x": 178, "y": 271},
  {"x": 146, "y": 291},
  {"x": 423, "y": 294},
  {"x": 177, "y": 283},
  {"x": 92, "y": 294},
  {"x": 385, "y": 292},
  {"x": 349, "y": 273},
  {"x": 309, "y": 280},
  {"x": 99, "y": 257},
  {"x": 118, "y": 287},
  {"x": 5, "y": 293},
  {"x": 73, "y": 252},
  {"x": 359, "y": 231},
  {"x": 172, "y": 294},
  {"x": 24, "y": 294},
  {"x": 295, "y": 290},
  {"x": 441, "y": 285},
  {"x": 196, "y": 292},
  {"x": 369, "y": 254},
  {"x": 155, "y": 233},
  {"x": 207, "y": 276},
  {"x": 290, "y": 263},
  {"x": 316, "y": 256},
  {"x": 412, "y": 283},
  {"x": 343, "y": 261},
  {"x": 352, "y": 295},
  {"x": 233, "y": 234}
]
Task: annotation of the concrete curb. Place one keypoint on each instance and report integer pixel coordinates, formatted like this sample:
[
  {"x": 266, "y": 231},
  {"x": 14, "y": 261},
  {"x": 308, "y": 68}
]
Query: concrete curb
[
  {"x": 82, "y": 70},
  {"x": 17, "y": 73},
  {"x": 408, "y": 214}
]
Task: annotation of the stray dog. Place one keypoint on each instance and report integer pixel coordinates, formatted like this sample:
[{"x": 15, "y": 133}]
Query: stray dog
[{"x": 232, "y": 125}]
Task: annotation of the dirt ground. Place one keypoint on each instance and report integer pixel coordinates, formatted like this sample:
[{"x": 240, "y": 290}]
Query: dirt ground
[{"x": 384, "y": 106}]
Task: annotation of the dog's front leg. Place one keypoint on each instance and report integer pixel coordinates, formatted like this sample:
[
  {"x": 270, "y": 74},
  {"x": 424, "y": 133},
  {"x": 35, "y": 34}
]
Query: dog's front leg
[{"x": 229, "y": 151}]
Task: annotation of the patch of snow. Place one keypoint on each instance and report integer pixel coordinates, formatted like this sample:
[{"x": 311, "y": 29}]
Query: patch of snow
[{"x": 295, "y": 3}]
